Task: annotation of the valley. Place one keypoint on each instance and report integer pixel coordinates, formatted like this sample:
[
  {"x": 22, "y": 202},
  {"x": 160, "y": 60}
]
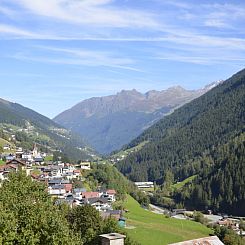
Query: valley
[{"x": 188, "y": 161}]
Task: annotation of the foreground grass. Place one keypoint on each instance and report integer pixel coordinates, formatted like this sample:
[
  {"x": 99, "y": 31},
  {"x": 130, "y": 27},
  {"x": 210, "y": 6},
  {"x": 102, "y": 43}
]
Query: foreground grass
[{"x": 151, "y": 228}]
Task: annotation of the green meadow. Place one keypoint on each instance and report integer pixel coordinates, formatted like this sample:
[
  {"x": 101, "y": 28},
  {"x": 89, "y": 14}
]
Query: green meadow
[
  {"x": 155, "y": 229},
  {"x": 181, "y": 184}
]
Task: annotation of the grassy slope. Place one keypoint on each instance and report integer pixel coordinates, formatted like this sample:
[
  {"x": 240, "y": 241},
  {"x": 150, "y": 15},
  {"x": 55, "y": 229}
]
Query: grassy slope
[
  {"x": 2, "y": 162},
  {"x": 130, "y": 150},
  {"x": 181, "y": 184},
  {"x": 4, "y": 142},
  {"x": 155, "y": 229}
]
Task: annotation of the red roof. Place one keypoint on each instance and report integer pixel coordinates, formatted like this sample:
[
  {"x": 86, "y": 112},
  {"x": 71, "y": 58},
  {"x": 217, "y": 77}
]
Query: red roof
[
  {"x": 34, "y": 176},
  {"x": 111, "y": 192},
  {"x": 3, "y": 167},
  {"x": 15, "y": 161},
  {"x": 68, "y": 187},
  {"x": 77, "y": 171},
  {"x": 90, "y": 194}
]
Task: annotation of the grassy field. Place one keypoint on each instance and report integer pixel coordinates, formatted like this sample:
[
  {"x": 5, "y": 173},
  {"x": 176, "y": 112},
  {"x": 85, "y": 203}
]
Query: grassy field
[
  {"x": 133, "y": 149},
  {"x": 4, "y": 142},
  {"x": 48, "y": 158},
  {"x": 2, "y": 162},
  {"x": 179, "y": 185},
  {"x": 150, "y": 228}
]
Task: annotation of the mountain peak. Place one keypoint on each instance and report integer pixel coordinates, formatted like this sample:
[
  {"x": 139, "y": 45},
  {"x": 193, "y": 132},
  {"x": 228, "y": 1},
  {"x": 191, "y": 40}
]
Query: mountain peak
[
  {"x": 176, "y": 87},
  {"x": 129, "y": 92},
  {"x": 111, "y": 121}
]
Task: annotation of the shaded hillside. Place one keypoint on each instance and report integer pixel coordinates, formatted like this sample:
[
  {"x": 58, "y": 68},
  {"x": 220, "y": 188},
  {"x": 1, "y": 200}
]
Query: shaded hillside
[
  {"x": 110, "y": 122},
  {"x": 29, "y": 126},
  {"x": 221, "y": 185},
  {"x": 189, "y": 133}
]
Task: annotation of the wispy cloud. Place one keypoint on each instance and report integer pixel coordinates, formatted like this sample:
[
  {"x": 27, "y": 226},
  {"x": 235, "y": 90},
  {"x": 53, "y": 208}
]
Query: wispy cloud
[
  {"x": 17, "y": 32},
  {"x": 93, "y": 12},
  {"x": 202, "y": 59},
  {"x": 80, "y": 57},
  {"x": 7, "y": 11}
]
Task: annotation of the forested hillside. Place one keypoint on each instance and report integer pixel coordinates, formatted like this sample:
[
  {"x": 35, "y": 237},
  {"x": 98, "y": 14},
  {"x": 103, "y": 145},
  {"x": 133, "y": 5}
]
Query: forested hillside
[
  {"x": 190, "y": 132},
  {"x": 221, "y": 184},
  {"x": 28, "y": 127}
]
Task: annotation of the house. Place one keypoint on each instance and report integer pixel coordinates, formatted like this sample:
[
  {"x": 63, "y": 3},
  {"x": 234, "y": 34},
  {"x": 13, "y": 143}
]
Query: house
[
  {"x": 9, "y": 157},
  {"x": 110, "y": 195},
  {"x": 68, "y": 175},
  {"x": 17, "y": 163},
  {"x": 212, "y": 240},
  {"x": 68, "y": 167},
  {"x": 38, "y": 160},
  {"x": 57, "y": 181},
  {"x": 76, "y": 172},
  {"x": 68, "y": 188},
  {"x": 99, "y": 203},
  {"x": 112, "y": 239},
  {"x": 6, "y": 169},
  {"x": 78, "y": 193},
  {"x": 27, "y": 156},
  {"x": 144, "y": 185},
  {"x": 87, "y": 195},
  {"x": 85, "y": 165},
  {"x": 54, "y": 171},
  {"x": 57, "y": 190},
  {"x": 19, "y": 153},
  {"x": 7, "y": 147}
]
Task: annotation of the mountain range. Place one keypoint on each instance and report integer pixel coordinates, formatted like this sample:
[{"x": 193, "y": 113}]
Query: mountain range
[
  {"x": 107, "y": 123},
  {"x": 23, "y": 126},
  {"x": 203, "y": 140}
]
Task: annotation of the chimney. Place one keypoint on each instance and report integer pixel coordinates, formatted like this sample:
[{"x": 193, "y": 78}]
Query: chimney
[{"x": 112, "y": 239}]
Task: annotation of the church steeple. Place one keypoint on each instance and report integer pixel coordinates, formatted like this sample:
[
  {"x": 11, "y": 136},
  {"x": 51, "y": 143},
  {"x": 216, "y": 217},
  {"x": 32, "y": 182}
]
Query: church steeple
[{"x": 34, "y": 151}]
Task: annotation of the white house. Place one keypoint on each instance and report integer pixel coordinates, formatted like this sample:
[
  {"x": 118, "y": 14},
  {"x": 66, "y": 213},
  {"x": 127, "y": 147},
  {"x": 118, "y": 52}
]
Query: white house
[
  {"x": 27, "y": 156},
  {"x": 57, "y": 190},
  {"x": 144, "y": 184},
  {"x": 85, "y": 165},
  {"x": 110, "y": 195}
]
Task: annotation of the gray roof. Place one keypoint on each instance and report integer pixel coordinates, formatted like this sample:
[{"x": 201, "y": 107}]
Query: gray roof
[
  {"x": 113, "y": 236},
  {"x": 97, "y": 199},
  {"x": 58, "y": 181},
  {"x": 77, "y": 190},
  {"x": 38, "y": 159},
  {"x": 58, "y": 187},
  {"x": 115, "y": 212},
  {"x": 212, "y": 240},
  {"x": 69, "y": 197}
]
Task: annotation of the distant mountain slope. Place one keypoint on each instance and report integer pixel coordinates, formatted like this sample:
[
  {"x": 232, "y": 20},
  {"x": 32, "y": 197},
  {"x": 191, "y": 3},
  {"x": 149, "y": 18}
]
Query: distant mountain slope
[
  {"x": 189, "y": 132},
  {"x": 110, "y": 122},
  {"x": 29, "y": 126}
]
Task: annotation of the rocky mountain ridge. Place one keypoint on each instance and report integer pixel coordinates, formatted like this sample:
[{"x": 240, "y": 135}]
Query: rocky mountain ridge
[{"x": 109, "y": 122}]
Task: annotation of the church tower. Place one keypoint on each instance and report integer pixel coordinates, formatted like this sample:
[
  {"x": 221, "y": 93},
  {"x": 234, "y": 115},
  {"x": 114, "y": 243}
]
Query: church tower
[{"x": 34, "y": 151}]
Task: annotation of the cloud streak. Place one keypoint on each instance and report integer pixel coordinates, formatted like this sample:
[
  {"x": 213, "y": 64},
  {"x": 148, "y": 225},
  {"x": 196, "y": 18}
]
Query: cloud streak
[
  {"x": 92, "y": 12},
  {"x": 79, "y": 57}
]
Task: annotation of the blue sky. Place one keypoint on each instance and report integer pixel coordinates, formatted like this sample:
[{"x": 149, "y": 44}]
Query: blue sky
[{"x": 56, "y": 53}]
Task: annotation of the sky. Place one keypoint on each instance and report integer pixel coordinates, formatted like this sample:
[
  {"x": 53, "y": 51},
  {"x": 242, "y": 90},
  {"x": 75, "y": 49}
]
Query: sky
[{"x": 56, "y": 53}]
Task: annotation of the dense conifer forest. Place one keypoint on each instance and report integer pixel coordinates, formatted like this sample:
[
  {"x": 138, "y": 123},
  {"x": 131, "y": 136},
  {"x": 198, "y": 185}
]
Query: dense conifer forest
[{"x": 203, "y": 138}]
